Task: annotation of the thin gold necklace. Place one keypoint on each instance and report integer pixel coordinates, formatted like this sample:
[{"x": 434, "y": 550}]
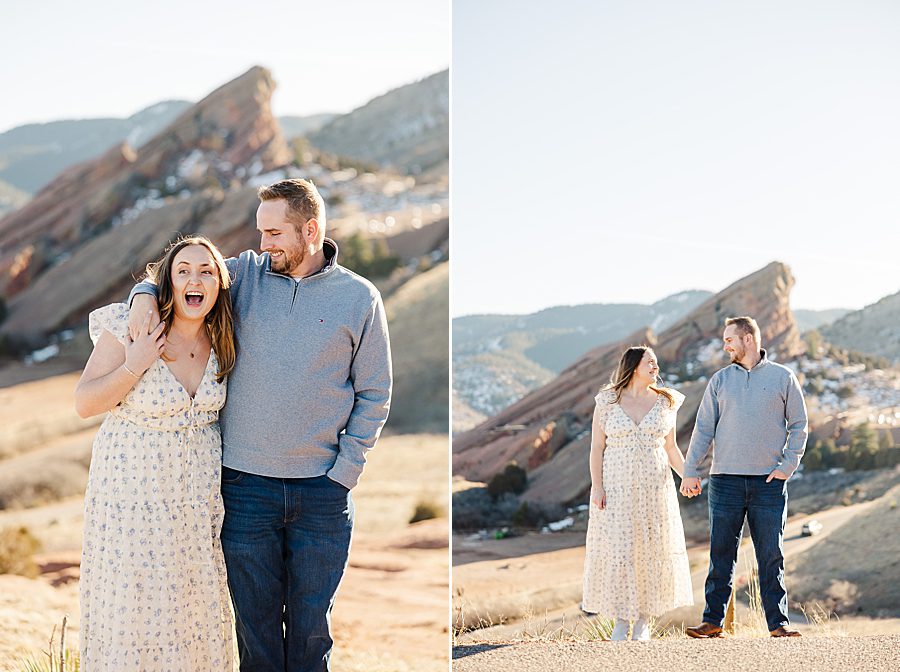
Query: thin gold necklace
[{"x": 196, "y": 343}]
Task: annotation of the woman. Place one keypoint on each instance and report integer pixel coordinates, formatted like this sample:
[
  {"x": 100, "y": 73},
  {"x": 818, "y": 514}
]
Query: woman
[
  {"x": 153, "y": 586},
  {"x": 636, "y": 565}
]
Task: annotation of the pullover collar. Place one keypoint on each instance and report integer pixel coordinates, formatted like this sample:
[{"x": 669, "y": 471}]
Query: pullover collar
[
  {"x": 330, "y": 250},
  {"x": 763, "y": 361}
]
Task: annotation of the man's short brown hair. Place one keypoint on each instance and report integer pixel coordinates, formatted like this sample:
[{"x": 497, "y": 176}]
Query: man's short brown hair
[
  {"x": 745, "y": 325},
  {"x": 304, "y": 202}
]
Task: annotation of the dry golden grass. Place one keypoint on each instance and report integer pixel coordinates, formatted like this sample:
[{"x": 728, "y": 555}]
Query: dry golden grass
[
  {"x": 17, "y": 548},
  {"x": 418, "y": 313},
  {"x": 31, "y": 414},
  {"x": 855, "y": 567},
  {"x": 403, "y": 470}
]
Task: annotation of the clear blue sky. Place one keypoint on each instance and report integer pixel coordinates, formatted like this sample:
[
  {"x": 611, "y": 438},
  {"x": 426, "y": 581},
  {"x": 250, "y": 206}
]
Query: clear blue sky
[
  {"x": 623, "y": 151},
  {"x": 102, "y": 58}
]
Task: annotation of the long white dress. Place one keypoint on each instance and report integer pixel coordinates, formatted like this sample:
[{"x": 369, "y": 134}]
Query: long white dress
[
  {"x": 153, "y": 586},
  {"x": 635, "y": 560}
]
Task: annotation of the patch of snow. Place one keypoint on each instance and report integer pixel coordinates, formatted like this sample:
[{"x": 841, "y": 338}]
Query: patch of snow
[
  {"x": 42, "y": 355},
  {"x": 255, "y": 167},
  {"x": 559, "y": 524},
  {"x": 344, "y": 175},
  {"x": 135, "y": 135},
  {"x": 710, "y": 352},
  {"x": 494, "y": 345},
  {"x": 158, "y": 109},
  {"x": 394, "y": 188},
  {"x": 266, "y": 179},
  {"x": 193, "y": 165},
  {"x": 151, "y": 201}
]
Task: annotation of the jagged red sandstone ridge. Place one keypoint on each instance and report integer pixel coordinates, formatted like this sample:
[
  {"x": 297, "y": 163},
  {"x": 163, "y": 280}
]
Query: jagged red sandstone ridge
[
  {"x": 75, "y": 245},
  {"x": 206, "y": 146},
  {"x": 764, "y": 295},
  {"x": 547, "y": 431}
]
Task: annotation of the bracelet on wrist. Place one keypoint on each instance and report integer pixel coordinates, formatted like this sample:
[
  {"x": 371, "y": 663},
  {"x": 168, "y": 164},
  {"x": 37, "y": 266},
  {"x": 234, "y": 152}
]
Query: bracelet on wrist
[{"x": 130, "y": 372}]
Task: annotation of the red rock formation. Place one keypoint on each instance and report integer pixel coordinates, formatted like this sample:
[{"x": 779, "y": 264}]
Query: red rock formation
[
  {"x": 104, "y": 268},
  {"x": 230, "y": 132},
  {"x": 763, "y": 295}
]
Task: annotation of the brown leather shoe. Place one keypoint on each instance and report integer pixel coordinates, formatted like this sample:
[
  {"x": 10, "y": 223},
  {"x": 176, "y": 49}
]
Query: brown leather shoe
[
  {"x": 781, "y": 631},
  {"x": 704, "y": 631}
]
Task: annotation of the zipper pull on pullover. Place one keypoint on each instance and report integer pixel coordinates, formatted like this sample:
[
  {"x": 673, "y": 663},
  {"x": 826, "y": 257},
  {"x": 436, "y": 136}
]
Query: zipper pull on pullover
[{"x": 294, "y": 296}]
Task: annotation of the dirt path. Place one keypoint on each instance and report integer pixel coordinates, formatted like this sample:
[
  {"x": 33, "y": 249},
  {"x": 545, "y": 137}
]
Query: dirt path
[{"x": 808, "y": 654}]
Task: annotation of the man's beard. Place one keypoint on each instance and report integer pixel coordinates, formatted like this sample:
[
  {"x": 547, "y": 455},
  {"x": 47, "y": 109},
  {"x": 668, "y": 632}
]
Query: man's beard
[
  {"x": 290, "y": 260},
  {"x": 737, "y": 355}
]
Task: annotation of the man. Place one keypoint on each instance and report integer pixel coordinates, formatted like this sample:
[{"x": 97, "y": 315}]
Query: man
[
  {"x": 755, "y": 413},
  {"x": 307, "y": 399}
]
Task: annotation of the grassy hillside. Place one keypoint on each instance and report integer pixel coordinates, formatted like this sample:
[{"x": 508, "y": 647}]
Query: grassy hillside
[
  {"x": 855, "y": 569},
  {"x": 418, "y": 313}
]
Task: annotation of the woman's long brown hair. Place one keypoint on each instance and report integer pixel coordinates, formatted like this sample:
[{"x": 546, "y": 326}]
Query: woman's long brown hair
[
  {"x": 219, "y": 320},
  {"x": 624, "y": 372}
]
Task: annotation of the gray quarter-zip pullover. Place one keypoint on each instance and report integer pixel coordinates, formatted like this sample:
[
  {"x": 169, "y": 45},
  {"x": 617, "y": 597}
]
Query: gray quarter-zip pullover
[{"x": 756, "y": 420}]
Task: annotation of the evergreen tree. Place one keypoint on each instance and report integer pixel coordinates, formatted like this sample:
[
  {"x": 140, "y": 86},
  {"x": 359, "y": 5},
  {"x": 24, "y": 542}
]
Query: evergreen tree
[{"x": 863, "y": 447}]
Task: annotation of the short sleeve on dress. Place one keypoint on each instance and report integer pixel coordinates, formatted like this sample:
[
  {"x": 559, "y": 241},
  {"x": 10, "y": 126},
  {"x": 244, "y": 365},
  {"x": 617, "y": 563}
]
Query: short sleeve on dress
[
  {"x": 677, "y": 397},
  {"x": 670, "y": 412},
  {"x": 604, "y": 399},
  {"x": 112, "y": 318}
]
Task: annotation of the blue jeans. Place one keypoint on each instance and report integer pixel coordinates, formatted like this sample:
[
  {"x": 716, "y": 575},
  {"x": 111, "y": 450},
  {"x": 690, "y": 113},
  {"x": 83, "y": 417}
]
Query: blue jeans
[
  {"x": 731, "y": 498},
  {"x": 286, "y": 542}
]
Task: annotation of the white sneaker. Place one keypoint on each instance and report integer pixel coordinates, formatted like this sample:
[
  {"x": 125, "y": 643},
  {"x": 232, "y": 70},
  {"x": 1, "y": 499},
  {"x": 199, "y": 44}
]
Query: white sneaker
[
  {"x": 620, "y": 631},
  {"x": 641, "y": 631}
]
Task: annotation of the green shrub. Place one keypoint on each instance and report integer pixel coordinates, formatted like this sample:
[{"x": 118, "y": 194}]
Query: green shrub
[
  {"x": 475, "y": 509},
  {"x": 17, "y": 546},
  {"x": 426, "y": 510},
  {"x": 822, "y": 454},
  {"x": 845, "y": 391},
  {"x": 369, "y": 258},
  {"x": 527, "y": 516},
  {"x": 863, "y": 448},
  {"x": 512, "y": 479}
]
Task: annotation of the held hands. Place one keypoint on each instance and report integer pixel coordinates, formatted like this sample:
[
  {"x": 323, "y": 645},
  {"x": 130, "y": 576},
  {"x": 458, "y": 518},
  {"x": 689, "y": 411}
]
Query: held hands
[
  {"x": 690, "y": 486},
  {"x": 137, "y": 323},
  {"x": 777, "y": 473},
  {"x": 142, "y": 351},
  {"x": 598, "y": 497}
]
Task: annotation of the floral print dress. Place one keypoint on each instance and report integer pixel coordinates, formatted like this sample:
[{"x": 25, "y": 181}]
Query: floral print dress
[
  {"x": 153, "y": 584},
  {"x": 635, "y": 557}
]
